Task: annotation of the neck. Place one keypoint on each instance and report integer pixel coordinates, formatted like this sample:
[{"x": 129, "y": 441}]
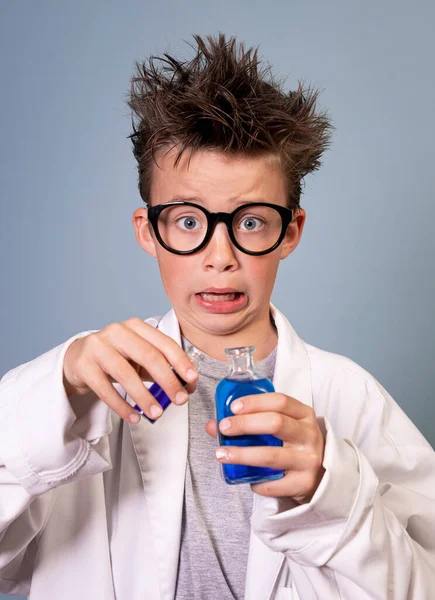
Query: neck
[{"x": 260, "y": 333}]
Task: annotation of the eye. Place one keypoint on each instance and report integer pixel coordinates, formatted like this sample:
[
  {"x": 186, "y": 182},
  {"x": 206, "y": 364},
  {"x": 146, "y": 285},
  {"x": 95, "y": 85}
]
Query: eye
[
  {"x": 251, "y": 223},
  {"x": 188, "y": 223}
]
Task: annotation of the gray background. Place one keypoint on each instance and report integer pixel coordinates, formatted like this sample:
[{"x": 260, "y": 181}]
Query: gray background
[{"x": 361, "y": 282}]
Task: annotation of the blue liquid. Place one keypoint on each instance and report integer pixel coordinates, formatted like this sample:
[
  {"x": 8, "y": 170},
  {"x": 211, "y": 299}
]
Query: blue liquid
[{"x": 228, "y": 390}]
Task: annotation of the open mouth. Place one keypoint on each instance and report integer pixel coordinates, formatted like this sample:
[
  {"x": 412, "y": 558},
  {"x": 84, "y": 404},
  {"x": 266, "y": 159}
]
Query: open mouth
[
  {"x": 221, "y": 302},
  {"x": 214, "y": 297}
]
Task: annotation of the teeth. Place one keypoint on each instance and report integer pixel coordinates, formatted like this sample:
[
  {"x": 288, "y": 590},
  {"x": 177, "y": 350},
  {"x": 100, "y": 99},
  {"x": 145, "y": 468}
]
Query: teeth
[{"x": 219, "y": 297}]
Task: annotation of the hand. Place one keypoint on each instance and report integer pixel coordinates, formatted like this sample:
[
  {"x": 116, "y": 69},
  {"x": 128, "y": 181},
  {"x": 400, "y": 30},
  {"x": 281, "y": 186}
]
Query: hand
[
  {"x": 301, "y": 454},
  {"x": 128, "y": 353}
]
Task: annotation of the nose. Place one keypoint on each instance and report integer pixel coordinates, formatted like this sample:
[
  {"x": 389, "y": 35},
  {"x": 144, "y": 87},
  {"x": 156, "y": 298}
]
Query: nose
[{"x": 219, "y": 253}]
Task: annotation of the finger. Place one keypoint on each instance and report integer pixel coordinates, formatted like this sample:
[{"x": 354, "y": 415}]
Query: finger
[
  {"x": 271, "y": 402},
  {"x": 173, "y": 353},
  {"x": 131, "y": 345},
  {"x": 273, "y": 423},
  {"x": 297, "y": 485},
  {"x": 288, "y": 486},
  {"x": 111, "y": 362},
  {"x": 99, "y": 383},
  {"x": 272, "y": 457},
  {"x": 211, "y": 428}
]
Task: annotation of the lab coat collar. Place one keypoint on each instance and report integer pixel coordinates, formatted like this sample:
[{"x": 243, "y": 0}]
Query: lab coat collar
[{"x": 161, "y": 449}]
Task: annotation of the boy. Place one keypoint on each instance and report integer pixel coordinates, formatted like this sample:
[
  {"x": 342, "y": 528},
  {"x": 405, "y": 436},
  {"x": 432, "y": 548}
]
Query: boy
[{"x": 97, "y": 504}]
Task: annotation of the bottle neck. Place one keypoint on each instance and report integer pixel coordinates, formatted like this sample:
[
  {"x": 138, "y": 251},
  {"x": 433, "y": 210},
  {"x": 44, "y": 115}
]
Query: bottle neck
[
  {"x": 241, "y": 363},
  {"x": 195, "y": 355}
]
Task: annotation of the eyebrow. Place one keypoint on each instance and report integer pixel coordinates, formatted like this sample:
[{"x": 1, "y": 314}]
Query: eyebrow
[{"x": 198, "y": 200}]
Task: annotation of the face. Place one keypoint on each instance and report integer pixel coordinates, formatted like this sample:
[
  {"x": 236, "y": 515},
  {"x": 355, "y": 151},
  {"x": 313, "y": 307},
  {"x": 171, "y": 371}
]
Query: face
[{"x": 219, "y": 183}]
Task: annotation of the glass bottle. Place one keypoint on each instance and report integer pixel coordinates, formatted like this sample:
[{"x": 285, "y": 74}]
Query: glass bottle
[
  {"x": 243, "y": 380},
  {"x": 159, "y": 393}
]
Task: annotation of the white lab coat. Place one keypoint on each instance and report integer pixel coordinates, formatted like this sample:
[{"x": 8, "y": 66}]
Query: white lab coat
[{"x": 90, "y": 507}]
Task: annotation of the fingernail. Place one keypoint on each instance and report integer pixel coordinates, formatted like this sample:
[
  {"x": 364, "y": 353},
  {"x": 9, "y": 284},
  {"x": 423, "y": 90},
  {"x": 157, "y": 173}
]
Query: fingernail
[
  {"x": 155, "y": 411},
  {"x": 224, "y": 425},
  {"x": 191, "y": 374},
  {"x": 180, "y": 397},
  {"x": 236, "y": 405},
  {"x": 221, "y": 453}
]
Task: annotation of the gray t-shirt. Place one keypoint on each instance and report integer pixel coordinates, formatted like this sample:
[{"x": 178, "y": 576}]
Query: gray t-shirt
[{"x": 216, "y": 516}]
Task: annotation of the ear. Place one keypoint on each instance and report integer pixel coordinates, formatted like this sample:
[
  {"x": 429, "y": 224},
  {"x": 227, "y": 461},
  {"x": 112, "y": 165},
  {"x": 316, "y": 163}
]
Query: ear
[
  {"x": 294, "y": 233},
  {"x": 144, "y": 232}
]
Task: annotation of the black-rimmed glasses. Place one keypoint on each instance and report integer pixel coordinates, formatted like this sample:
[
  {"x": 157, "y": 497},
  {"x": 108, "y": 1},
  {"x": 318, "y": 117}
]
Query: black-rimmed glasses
[{"x": 255, "y": 228}]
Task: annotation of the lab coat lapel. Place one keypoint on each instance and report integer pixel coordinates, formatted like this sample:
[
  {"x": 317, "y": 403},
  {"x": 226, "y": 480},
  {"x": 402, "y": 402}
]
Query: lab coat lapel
[
  {"x": 292, "y": 376},
  {"x": 161, "y": 449}
]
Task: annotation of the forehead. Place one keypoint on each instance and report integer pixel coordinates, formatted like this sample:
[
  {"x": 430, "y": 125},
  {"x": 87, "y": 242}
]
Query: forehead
[{"x": 214, "y": 176}]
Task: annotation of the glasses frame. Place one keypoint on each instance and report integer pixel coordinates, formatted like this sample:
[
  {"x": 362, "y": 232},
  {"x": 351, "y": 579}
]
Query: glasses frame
[{"x": 219, "y": 217}]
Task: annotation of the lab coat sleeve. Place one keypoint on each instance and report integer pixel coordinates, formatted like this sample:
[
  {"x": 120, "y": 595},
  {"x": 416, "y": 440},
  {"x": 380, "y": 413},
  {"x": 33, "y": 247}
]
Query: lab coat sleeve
[
  {"x": 46, "y": 440},
  {"x": 372, "y": 519}
]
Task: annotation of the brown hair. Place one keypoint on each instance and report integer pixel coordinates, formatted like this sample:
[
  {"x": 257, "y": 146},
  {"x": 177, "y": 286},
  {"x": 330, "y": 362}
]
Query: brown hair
[{"x": 222, "y": 100}]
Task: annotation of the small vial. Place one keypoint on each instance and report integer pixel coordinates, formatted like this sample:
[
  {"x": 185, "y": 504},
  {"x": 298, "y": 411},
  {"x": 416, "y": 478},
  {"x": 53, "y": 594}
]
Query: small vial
[
  {"x": 159, "y": 394},
  {"x": 243, "y": 380}
]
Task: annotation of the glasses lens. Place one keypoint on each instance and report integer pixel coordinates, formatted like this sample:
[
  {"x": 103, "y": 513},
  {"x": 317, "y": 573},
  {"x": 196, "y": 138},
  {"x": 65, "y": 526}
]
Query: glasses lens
[
  {"x": 182, "y": 227},
  {"x": 257, "y": 228}
]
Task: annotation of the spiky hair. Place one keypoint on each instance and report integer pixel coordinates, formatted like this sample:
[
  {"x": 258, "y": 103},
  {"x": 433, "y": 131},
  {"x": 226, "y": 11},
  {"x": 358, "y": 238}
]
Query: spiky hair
[{"x": 223, "y": 99}]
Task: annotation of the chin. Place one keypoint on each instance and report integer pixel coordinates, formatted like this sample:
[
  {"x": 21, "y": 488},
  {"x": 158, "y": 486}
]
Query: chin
[{"x": 222, "y": 323}]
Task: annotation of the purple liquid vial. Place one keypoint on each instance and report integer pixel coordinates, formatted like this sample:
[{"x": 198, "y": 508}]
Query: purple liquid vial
[
  {"x": 159, "y": 393},
  {"x": 243, "y": 380}
]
